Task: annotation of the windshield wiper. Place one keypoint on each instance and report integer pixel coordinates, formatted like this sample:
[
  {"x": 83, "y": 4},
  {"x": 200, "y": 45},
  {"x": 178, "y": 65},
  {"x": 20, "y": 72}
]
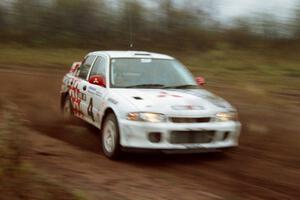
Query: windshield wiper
[
  {"x": 182, "y": 86},
  {"x": 146, "y": 86}
]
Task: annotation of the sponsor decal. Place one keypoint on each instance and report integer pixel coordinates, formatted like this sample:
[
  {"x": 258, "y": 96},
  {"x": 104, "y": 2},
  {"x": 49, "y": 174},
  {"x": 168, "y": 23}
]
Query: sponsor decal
[
  {"x": 91, "y": 90},
  {"x": 191, "y": 92},
  {"x": 217, "y": 101},
  {"x": 187, "y": 107},
  {"x": 165, "y": 94},
  {"x": 76, "y": 97}
]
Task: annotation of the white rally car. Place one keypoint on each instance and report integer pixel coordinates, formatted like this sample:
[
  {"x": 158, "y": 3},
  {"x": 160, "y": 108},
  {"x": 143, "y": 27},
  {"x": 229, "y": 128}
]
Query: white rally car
[{"x": 149, "y": 101}]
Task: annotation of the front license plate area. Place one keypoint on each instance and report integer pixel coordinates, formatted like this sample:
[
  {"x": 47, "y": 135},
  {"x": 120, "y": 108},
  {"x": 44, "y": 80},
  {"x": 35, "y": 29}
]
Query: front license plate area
[{"x": 191, "y": 137}]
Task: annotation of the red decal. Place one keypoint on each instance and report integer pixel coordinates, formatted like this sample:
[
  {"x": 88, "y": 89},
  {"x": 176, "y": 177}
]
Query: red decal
[
  {"x": 75, "y": 95},
  {"x": 74, "y": 67},
  {"x": 165, "y": 94}
]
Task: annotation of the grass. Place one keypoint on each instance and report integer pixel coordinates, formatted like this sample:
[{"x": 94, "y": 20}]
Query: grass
[
  {"x": 40, "y": 58},
  {"x": 242, "y": 66},
  {"x": 259, "y": 72},
  {"x": 273, "y": 77}
]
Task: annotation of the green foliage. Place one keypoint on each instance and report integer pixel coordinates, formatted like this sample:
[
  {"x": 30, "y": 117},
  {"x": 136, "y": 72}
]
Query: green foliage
[
  {"x": 272, "y": 71},
  {"x": 98, "y": 23},
  {"x": 90, "y": 23}
]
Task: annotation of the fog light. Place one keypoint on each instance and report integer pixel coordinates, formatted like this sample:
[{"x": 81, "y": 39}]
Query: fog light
[
  {"x": 226, "y": 116},
  {"x": 154, "y": 137},
  {"x": 225, "y": 136}
]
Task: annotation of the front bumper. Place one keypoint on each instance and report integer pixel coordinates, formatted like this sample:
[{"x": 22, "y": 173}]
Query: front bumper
[{"x": 136, "y": 135}]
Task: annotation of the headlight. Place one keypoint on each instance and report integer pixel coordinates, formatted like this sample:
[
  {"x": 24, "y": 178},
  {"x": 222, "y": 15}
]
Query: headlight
[
  {"x": 146, "y": 117},
  {"x": 226, "y": 116}
]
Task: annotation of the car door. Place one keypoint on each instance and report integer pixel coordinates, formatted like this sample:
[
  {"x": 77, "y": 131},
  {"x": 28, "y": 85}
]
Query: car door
[
  {"x": 78, "y": 92},
  {"x": 95, "y": 93}
]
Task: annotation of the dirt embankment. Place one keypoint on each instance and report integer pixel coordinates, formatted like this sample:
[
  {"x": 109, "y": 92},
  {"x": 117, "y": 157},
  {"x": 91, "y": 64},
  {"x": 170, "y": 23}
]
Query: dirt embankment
[{"x": 265, "y": 166}]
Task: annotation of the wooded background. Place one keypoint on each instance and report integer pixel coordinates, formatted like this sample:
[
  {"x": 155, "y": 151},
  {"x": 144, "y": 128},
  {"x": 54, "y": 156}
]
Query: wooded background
[{"x": 107, "y": 24}]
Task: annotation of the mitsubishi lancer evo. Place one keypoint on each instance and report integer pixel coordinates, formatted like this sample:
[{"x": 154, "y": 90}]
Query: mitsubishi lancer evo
[{"x": 147, "y": 101}]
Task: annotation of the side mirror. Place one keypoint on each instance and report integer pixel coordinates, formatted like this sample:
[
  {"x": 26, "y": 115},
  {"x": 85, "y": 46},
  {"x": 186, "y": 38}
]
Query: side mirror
[
  {"x": 200, "y": 80},
  {"x": 97, "y": 80}
]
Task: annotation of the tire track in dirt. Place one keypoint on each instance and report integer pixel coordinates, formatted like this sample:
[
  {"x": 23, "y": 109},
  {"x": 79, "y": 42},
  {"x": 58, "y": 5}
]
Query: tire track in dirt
[{"x": 72, "y": 155}]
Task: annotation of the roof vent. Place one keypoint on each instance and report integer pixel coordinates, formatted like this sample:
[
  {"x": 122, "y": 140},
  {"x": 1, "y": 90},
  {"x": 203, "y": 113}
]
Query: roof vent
[{"x": 138, "y": 98}]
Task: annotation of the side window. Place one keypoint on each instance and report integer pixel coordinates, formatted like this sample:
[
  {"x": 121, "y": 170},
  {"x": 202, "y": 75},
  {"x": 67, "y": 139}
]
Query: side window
[
  {"x": 98, "y": 67},
  {"x": 85, "y": 67}
]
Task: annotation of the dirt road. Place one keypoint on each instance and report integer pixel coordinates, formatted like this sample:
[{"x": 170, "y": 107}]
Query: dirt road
[{"x": 265, "y": 166}]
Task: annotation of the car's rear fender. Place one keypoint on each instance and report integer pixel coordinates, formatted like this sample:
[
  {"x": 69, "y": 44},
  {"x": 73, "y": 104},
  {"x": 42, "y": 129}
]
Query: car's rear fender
[{"x": 63, "y": 98}]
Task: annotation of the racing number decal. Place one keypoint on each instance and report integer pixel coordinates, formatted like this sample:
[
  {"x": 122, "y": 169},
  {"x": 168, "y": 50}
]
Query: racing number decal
[{"x": 90, "y": 109}]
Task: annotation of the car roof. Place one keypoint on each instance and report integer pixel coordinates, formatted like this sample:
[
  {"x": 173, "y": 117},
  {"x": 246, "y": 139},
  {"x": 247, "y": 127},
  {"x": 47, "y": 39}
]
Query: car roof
[{"x": 131, "y": 54}]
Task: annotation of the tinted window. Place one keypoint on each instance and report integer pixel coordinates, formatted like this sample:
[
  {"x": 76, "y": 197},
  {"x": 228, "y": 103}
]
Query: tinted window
[
  {"x": 85, "y": 67},
  {"x": 126, "y": 72},
  {"x": 98, "y": 67}
]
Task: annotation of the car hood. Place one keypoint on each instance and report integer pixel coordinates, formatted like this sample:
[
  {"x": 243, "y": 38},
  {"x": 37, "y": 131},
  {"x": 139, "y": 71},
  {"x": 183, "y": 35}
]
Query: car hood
[{"x": 174, "y": 101}]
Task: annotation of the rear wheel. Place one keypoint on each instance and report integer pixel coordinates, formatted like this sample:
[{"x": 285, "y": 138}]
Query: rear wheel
[
  {"x": 67, "y": 109},
  {"x": 111, "y": 138}
]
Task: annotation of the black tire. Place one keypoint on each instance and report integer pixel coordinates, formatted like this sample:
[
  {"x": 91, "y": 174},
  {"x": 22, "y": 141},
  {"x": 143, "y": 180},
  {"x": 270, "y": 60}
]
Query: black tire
[
  {"x": 67, "y": 109},
  {"x": 111, "y": 146}
]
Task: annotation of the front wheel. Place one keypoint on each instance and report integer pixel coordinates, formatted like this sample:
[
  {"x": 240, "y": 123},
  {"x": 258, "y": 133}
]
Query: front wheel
[{"x": 111, "y": 138}]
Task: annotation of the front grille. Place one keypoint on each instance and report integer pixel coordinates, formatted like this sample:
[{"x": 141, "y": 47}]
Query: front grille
[
  {"x": 191, "y": 137},
  {"x": 189, "y": 119}
]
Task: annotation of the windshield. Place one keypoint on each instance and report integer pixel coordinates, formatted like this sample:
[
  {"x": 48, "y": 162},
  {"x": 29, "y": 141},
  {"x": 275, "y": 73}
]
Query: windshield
[{"x": 149, "y": 73}]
